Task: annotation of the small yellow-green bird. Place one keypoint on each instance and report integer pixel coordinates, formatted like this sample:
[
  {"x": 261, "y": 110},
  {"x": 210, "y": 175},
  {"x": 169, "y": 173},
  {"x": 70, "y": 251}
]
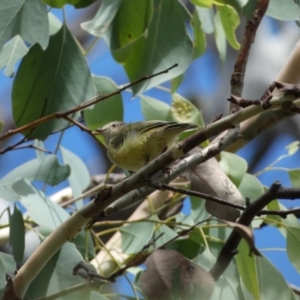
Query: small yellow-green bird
[{"x": 132, "y": 145}]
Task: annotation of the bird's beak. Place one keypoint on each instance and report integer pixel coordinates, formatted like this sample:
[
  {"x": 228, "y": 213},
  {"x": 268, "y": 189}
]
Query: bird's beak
[{"x": 99, "y": 131}]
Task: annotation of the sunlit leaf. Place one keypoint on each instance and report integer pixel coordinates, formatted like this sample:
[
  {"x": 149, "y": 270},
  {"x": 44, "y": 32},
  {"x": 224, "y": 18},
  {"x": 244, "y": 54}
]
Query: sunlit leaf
[
  {"x": 47, "y": 170},
  {"x": 293, "y": 147},
  {"x": 154, "y": 109},
  {"x": 230, "y": 21},
  {"x": 234, "y": 166},
  {"x": 199, "y": 36},
  {"x": 14, "y": 50},
  {"x": 40, "y": 209},
  {"x": 294, "y": 175},
  {"x": 208, "y": 3},
  {"x": 220, "y": 37},
  {"x": 206, "y": 17}
]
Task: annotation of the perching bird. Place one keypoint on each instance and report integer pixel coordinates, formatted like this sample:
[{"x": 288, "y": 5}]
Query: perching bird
[{"x": 132, "y": 145}]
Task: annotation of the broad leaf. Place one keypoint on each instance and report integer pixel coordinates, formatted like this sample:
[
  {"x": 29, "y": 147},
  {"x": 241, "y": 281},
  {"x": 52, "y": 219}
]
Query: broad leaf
[
  {"x": 41, "y": 210},
  {"x": 76, "y": 3},
  {"x": 283, "y": 10},
  {"x": 57, "y": 275},
  {"x": 199, "y": 36},
  {"x": 105, "y": 111},
  {"x": 79, "y": 178},
  {"x": 20, "y": 17},
  {"x": 206, "y": 17},
  {"x": 17, "y": 234},
  {"x": 135, "y": 236},
  {"x": 250, "y": 187},
  {"x": 151, "y": 54},
  {"x": 7, "y": 266},
  {"x": 47, "y": 170},
  {"x": 131, "y": 22},
  {"x": 230, "y": 21},
  {"x": 255, "y": 272},
  {"x": 154, "y": 109},
  {"x": 106, "y": 13},
  {"x": 293, "y": 245},
  {"x": 66, "y": 83},
  {"x": 14, "y": 50},
  {"x": 234, "y": 166},
  {"x": 207, "y": 3},
  {"x": 294, "y": 175},
  {"x": 220, "y": 37}
]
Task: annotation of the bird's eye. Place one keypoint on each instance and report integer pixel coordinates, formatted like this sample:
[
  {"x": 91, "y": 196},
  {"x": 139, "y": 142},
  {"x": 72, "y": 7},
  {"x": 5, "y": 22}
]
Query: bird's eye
[{"x": 114, "y": 125}]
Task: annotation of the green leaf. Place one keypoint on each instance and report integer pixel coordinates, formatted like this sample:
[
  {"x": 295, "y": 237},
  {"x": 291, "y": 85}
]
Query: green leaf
[
  {"x": 57, "y": 275},
  {"x": 294, "y": 175},
  {"x": 130, "y": 23},
  {"x": 248, "y": 269},
  {"x": 97, "y": 296},
  {"x": 79, "y": 178},
  {"x": 76, "y": 3},
  {"x": 250, "y": 187},
  {"x": 175, "y": 83},
  {"x": 47, "y": 170},
  {"x": 227, "y": 286},
  {"x": 165, "y": 234},
  {"x": 84, "y": 244},
  {"x": 198, "y": 211},
  {"x": 220, "y": 37},
  {"x": 293, "y": 147},
  {"x": 206, "y": 17},
  {"x": 249, "y": 8},
  {"x": 185, "y": 111},
  {"x": 7, "y": 266},
  {"x": 54, "y": 23},
  {"x": 106, "y": 111},
  {"x": 283, "y": 10},
  {"x": 25, "y": 18},
  {"x": 187, "y": 247},
  {"x": 293, "y": 245},
  {"x": 255, "y": 272},
  {"x": 41, "y": 210},
  {"x": 101, "y": 22},
  {"x": 135, "y": 236},
  {"x": 151, "y": 54},
  {"x": 154, "y": 109},
  {"x": 17, "y": 234},
  {"x": 199, "y": 36},
  {"x": 14, "y": 50},
  {"x": 208, "y": 3},
  {"x": 234, "y": 166},
  {"x": 230, "y": 21},
  {"x": 66, "y": 83}
]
